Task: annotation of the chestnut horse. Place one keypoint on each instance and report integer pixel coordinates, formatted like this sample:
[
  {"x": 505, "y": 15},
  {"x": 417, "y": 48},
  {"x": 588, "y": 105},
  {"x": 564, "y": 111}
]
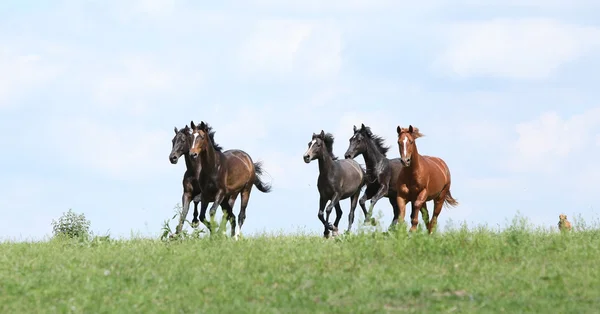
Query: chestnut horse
[
  {"x": 181, "y": 143},
  {"x": 382, "y": 173},
  {"x": 224, "y": 176},
  {"x": 422, "y": 178}
]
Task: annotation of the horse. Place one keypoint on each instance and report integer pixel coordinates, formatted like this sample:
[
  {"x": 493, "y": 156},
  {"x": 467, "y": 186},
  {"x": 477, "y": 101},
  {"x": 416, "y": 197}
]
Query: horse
[
  {"x": 191, "y": 190},
  {"x": 224, "y": 176},
  {"x": 422, "y": 178},
  {"x": 382, "y": 173},
  {"x": 338, "y": 180}
]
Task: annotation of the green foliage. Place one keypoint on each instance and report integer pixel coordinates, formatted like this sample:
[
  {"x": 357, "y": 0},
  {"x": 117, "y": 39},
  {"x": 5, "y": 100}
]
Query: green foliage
[
  {"x": 71, "y": 225},
  {"x": 479, "y": 270}
]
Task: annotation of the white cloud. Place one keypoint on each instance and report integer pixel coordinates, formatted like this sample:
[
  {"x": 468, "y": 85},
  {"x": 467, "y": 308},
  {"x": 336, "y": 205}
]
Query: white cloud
[
  {"x": 533, "y": 48},
  {"x": 284, "y": 47},
  {"x": 119, "y": 152},
  {"x": 546, "y": 141},
  {"x": 21, "y": 71}
]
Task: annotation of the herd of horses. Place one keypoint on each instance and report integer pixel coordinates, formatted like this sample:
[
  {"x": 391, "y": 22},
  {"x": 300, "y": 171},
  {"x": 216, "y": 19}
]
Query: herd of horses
[{"x": 219, "y": 177}]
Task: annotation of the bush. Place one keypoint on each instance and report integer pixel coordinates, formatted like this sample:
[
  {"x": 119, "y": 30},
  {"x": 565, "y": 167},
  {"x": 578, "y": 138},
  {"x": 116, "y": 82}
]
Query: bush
[{"x": 71, "y": 225}]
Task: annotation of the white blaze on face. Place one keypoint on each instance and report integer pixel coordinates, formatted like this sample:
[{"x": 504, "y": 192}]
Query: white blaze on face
[
  {"x": 310, "y": 147},
  {"x": 195, "y": 137},
  {"x": 404, "y": 142}
]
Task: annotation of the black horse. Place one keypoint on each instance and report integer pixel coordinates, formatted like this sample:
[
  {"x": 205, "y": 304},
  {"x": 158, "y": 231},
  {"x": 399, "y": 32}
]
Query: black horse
[
  {"x": 338, "y": 180},
  {"x": 191, "y": 189},
  {"x": 382, "y": 173}
]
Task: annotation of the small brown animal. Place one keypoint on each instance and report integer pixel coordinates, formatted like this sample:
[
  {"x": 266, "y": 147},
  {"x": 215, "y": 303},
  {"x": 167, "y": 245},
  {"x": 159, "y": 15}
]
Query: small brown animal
[{"x": 563, "y": 223}]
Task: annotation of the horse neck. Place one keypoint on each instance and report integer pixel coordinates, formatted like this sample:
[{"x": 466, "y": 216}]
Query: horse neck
[
  {"x": 193, "y": 165},
  {"x": 416, "y": 160},
  {"x": 209, "y": 159},
  {"x": 372, "y": 155},
  {"x": 325, "y": 163}
]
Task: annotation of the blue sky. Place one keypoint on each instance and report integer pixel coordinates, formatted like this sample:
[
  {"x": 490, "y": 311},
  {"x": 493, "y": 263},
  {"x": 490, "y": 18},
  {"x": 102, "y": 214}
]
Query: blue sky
[{"x": 505, "y": 92}]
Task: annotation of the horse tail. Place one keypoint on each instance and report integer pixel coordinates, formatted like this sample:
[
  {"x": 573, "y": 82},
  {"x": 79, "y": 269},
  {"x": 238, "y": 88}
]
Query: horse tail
[
  {"x": 449, "y": 200},
  {"x": 258, "y": 182}
]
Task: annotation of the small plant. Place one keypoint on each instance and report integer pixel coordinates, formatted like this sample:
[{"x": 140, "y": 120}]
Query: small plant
[{"x": 71, "y": 225}]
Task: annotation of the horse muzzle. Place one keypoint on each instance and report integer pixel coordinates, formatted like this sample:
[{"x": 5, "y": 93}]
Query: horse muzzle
[{"x": 306, "y": 158}]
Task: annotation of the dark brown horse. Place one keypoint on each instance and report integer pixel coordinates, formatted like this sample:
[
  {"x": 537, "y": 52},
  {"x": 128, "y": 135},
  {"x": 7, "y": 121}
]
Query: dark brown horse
[
  {"x": 382, "y": 173},
  {"x": 423, "y": 178},
  {"x": 224, "y": 176},
  {"x": 181, "y": 143}
]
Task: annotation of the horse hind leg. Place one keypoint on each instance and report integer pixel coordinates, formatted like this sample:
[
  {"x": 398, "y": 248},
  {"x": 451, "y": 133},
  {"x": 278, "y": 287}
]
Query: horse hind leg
[
  {"x": 438, "y": 203},
  {"x": 228, "y": 209},
  {"x": 369, "y": 192},
  {"x": 338, "y": 216},
  {"x": 353, "y": 203},
  {"x": 242, "y": 215}
]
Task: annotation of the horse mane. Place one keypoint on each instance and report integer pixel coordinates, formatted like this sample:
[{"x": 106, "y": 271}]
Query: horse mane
[
  {"x": 211, "y": 135},
  {"x": 377, "y": 140},
  {"x": 328, "y": 139}
]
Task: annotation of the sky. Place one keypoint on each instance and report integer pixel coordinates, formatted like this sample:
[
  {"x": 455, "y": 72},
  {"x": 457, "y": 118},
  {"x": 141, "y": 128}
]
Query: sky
[{"x": 505, "y": 92}]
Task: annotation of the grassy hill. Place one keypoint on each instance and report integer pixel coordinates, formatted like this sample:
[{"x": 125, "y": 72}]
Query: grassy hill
[{"x": 516, "y": 270}]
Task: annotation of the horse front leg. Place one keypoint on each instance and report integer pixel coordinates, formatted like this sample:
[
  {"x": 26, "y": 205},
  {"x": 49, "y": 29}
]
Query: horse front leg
[
  {"x": 219, "y": 197},
  {"x": 417, "y": 205},
  {"x": 322, "y": 203},
  {"x": 383, "y": 189}
]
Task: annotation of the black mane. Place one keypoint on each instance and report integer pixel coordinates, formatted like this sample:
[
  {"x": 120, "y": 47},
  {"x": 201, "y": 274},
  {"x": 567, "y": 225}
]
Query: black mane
[
  {"x": 377, "y": 140},
  {"x": 328, "y": 139},
  {"x": 211, "y": 134}
]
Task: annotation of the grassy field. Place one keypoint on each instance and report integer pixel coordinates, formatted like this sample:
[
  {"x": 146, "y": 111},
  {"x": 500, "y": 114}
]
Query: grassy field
[{"x": 517, "y": 270}]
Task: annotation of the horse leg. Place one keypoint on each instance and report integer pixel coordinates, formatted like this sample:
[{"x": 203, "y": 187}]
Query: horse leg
[
  {"x": 322, "y": 202},
  {"x": 227, "y": 207},
  {"x": 243, "y": 205},
  {"x": 417, "y": 204},
  {"x": 334, "y": 200},
  {"x": 383, "y": 189},
  {"x": 425, "y": 214},
  {"x": 338, "y": 216},
  {"x": 353, "y": 203},
  {"x": 394, "y": 203},
  {"x": 195, "y": 221},
  {"x": 369, "y": 192},
  {"x": 401, "y": 205},
  {"x": 438, "y": 203},
  {"x": 203, "y": 207},
  {"x": 219, "y": 197},
  {"x": 185, "y": 201}
]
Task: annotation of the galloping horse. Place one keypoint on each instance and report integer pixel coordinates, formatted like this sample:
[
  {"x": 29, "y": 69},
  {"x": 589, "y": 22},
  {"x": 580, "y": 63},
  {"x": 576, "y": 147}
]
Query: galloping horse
[
  {"x": 382, "y": 173},
  {"x": 338, "y": 180},
  {"x": 191, "y": 189},
  {"x": 224, "y": 176},
  {"x": 422, "y": 178}
]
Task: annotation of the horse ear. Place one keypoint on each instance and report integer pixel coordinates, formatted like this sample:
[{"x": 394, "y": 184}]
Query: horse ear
[
  {"x": 362, "y": 126},
  {"x": 322, "y": 133},
  {"x": 175, "y": 129},
  {"x": 355, "y": 129},
  {"x": 202, "y": 125},
  {"x": 192, "y": 124},
  {"x": 399, "y": 130},
  {"x": 410, "y": 129}
]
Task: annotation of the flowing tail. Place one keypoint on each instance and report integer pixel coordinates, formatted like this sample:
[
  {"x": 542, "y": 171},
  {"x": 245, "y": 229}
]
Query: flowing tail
[
  {"x": 258, "y": 182},
  {"x": 450, "y": 201}
]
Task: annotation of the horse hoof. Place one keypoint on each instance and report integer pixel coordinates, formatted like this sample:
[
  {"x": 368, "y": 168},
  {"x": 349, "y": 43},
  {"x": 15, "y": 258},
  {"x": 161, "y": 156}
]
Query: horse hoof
[{"x": 195, "y": 224}]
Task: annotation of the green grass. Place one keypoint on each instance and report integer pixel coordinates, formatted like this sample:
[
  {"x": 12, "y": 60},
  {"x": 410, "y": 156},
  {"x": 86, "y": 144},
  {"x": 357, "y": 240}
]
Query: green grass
[{"x": 517, "y": 270}]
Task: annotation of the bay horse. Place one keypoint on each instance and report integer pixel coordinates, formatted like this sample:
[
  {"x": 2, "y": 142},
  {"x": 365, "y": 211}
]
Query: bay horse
[
  {"x": 382, "y": 173},
  {"x": 338, "y": 180},
  {"x": 181, "y": 143},
  {"x": 224, "y": 176},
  {"x": 422, "y": 178}
]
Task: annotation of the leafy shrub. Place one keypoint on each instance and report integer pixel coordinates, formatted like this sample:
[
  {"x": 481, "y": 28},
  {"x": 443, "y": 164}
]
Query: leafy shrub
[{"x": 71, "y": 225}]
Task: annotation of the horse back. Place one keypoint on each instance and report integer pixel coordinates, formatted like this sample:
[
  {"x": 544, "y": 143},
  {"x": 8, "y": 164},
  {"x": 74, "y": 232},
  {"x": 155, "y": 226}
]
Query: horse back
[
  {"x": 351, "y": 171},
  {"x": 239, "y": 167},
  {"x": 439, "y": 173}
]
